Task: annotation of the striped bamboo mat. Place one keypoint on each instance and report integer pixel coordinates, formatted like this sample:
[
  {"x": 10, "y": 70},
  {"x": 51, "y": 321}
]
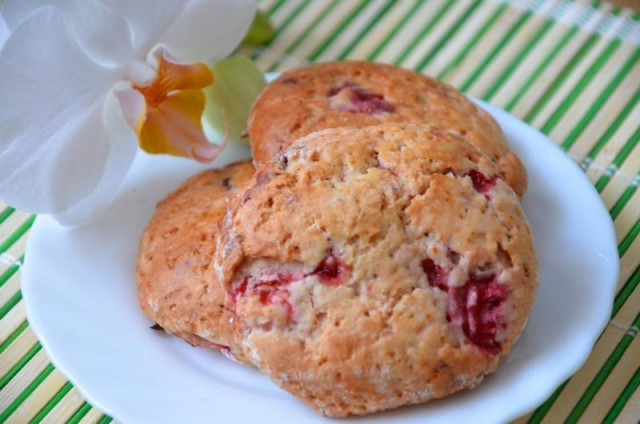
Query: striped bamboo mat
[{"x": 571, "y": 69}]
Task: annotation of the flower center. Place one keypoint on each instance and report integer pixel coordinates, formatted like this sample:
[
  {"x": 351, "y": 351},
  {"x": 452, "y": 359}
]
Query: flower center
[
  {"x": 170, "y": 119},
  {"x": 174, "y": 76},
  {"x": 156, "y": 93}
]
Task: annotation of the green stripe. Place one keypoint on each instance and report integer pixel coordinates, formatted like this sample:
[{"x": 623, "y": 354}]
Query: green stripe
[
  {"x": 624, "y": 397},
  {"x": 561, "y": 77},
  {"x": 524, "y": 52},
  {"x": 15, "y": 369},
  {"x": 540, "y": 68},
  {"x": 564, "y": 74},
  {"x": 496, "y": 50},
  {"x": 325, "y": 12},
  {"x": 105, "y": 419},
  {"x": 602, "y": 375},
  {"x": 341, "y": 26},
  {"x": 615, "y": 125},
  {"x": 79, "y": 414},
  {"x": 622, "y": 201},
  {"x": 597, "y": 105},
  {"x": 447, "y": 36},
  {"x": 13, "y": 336},
  {"x": 6, "y": 213},
  {"x": 66, "y": 388},
  {"x": 17, "y": 234},
  {"x": 629, "y": 238},
  {"x": 378, "y": 49},
  {"x": 626, "y": 291},
  {"x": 370, "y": 25},
  {"x": 25, "y": 394},
  {"x": 290, "y": 18},
  {"x": 620, "y": 158},
  {"x": 8, "y": 274},
  {"x": 626, "y": 150},
  {"x": 425, "y": 30},
  {"x": 4, "y": 310},
  {"x": 580, "y": 87},
  {"x": 274, "y": 8},
  {"x": 539, "y": 413},
  {"x": 473, "y": 41}
]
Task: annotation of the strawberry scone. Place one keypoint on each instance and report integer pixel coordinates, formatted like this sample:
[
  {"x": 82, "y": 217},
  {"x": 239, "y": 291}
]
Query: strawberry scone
[
  {"x": 371, "y": 268},
  {"x": 177, "y": 285},
  {"x": 359, "y": 94}
]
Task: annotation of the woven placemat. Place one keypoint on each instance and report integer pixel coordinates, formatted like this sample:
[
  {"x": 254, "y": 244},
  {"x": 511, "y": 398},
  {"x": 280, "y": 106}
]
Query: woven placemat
[{"x": 569, "y": 68}]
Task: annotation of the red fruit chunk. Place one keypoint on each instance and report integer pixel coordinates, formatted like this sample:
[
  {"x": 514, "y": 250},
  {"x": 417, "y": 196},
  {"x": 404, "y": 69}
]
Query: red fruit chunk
[
  {"x": 348, "y": 97},
  {"x": 484, "y": 313},
  {"x": 238, "y": 291},
  {"x": 481, "y": 183},
  {"x": 269, "y": 291},
  {"x": 476, "y": 306},
  {"x": 331, "y": 271},
  {"x": 435, "y": 274},
  {"x": 271, "y": 288}
]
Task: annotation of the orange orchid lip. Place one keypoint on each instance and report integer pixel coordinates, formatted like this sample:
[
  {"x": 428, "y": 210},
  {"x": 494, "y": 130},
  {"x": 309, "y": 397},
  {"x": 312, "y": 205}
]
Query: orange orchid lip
[{"x": 170, "y": 121}]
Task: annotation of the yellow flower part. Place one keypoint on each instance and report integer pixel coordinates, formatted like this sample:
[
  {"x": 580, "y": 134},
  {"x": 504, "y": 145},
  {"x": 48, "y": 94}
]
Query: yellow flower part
[{"x": 174, "y": 101}]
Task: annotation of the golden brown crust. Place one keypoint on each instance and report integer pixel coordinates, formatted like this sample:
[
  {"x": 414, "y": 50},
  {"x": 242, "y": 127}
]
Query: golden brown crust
[
  {"x": 177, "y": 286},
  {"x": 304, "y": 100},
  {"x": 377, "y": 267}
]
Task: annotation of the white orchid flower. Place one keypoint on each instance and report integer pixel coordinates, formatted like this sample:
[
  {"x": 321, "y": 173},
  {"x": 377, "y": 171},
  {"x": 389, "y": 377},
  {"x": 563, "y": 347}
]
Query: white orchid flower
[{"x": 83, "y": 81}]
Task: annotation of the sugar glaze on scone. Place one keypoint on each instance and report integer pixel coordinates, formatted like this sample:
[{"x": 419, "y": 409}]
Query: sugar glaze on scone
[
  {"x": 359, "y": 94},
  {"x": 372, "y": 268},
  {"x": 177, "y": 286}
]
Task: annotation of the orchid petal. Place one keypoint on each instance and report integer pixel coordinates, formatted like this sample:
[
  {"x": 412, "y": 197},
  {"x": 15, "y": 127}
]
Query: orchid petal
[
  {"x": 103, "y": 33},
  {"x": 133, "y": 108},
  {"x": 4, "y": 32},
  {"x": 53, "y": 150},
  {"x": 220, "y": 26},
  {"x": 15, "y": 11},
  {"x": 148, "y": 19},
  {"x": 122, "y": 141}
]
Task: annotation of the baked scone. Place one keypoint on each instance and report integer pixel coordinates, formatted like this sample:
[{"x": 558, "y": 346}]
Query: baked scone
[
  {"x": 359, "y": 94},
  {"x": 377, "y": 267},
  {"x": 177, "y": 286}
]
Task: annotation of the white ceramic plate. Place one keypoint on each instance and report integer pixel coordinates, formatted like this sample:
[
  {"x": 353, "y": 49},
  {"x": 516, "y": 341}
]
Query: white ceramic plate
[{"x": 80, "y": 296}]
